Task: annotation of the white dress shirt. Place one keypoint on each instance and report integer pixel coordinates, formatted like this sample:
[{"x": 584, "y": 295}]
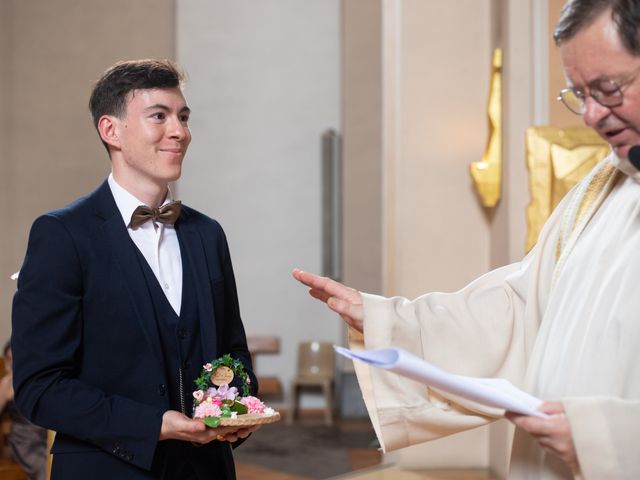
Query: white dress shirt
[{"x": 158, "y": 243}]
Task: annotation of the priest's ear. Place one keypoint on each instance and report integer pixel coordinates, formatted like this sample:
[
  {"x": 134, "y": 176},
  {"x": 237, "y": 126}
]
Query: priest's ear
[{"x": 108, "y": 127}]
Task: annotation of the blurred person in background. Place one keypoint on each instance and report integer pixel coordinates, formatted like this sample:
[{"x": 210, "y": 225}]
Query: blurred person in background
[{"x": 27, "y": 442}]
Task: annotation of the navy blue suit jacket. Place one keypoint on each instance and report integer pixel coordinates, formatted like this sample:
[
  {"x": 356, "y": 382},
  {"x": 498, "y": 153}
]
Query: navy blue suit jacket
[{"x": 88, "y": 361}]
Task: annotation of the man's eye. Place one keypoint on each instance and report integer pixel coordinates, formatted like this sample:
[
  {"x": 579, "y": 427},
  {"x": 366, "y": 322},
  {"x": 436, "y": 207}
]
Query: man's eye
[
  {"x": 158, "y": 116},
  {"x": 184, "y": 118},
  {"x": 608, "y": 87}
]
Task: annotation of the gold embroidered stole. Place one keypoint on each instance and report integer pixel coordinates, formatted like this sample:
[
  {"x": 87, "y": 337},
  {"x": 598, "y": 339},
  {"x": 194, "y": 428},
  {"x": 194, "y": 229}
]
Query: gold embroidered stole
[{"x": 584, "y": 203}]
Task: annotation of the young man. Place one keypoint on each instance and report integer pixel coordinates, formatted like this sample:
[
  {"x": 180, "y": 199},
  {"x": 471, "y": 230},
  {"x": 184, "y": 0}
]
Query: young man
[
  {"x": 118, "y": 306},
  {"x": 563, "y": 323}
]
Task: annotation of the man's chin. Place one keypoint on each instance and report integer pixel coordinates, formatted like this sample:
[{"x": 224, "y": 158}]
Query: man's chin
[
  {"x": 622, "y": 151},
  {"x": 173, "y": 176}
]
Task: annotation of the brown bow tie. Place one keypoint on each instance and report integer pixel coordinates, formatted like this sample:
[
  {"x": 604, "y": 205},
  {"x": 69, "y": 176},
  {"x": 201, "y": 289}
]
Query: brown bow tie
[{"x": 165, "y": 214}]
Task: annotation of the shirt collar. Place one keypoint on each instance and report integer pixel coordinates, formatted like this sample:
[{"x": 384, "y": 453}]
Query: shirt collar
[{"x": 126, "y": 201}]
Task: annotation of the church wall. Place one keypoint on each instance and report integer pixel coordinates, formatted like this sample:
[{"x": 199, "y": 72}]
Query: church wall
[
  {"x": 362, "y": 124},
  {"x": 6, "y": 285}
]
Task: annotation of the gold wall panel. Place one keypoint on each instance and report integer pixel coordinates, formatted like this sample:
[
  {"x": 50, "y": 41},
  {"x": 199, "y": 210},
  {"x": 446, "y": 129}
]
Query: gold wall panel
[{"x": 557, "y": 159}]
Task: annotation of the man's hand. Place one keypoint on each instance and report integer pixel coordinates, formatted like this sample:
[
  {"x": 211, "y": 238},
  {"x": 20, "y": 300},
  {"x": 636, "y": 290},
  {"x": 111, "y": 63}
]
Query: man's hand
[
  {"x": 341, "y": 299},
  {"x": 177, "y": 426},
  {"x": 553, "y": 433}
]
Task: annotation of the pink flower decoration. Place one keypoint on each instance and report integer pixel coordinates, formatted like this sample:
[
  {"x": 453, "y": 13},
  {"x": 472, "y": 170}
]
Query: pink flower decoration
[
  {"x": 207, "y": 367},
  {"x": 253, "y": 404},
  {"x": 248, "y": 380},
  {"x": 207, "y": 409},
  {"x": 226, "y": 393},
  {"x": 222, "y": 393},
  {"x": 198, "y": 395}
]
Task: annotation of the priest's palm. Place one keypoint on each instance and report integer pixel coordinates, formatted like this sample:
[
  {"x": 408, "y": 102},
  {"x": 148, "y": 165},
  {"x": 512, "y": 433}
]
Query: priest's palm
[{"x": 343, "y": 300}]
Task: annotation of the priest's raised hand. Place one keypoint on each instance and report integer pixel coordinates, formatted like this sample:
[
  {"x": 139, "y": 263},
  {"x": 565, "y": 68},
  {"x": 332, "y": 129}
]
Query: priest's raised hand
[{"x": 343, "y": 300}]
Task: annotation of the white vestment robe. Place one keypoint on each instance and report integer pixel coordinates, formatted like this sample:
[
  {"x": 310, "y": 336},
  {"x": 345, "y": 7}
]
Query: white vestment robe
[{"x": 561, "y": 326}]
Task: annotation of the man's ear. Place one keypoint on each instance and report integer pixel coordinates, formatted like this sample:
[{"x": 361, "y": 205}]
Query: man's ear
[{"x": 108, "y": 130}]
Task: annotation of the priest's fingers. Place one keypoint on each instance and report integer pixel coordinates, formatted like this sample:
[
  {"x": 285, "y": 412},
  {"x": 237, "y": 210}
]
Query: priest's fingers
[
  {"x": 534, "y": 425},
  {"x": 562, "y": 446},
  {"x": 341, "y": 299},
  {"x": 319, "y": 294},
  {"x": 551, "y": 407},
  {"x": 343, "y": 307},
  {"x": 553, "y": 433},
  {"x": 328, "y": 286},
  {"x": 353, "y": 314}
]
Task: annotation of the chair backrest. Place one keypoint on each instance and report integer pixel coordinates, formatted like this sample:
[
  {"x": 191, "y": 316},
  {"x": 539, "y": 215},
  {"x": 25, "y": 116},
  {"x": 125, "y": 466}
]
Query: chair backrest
[{"x": 316, "y": 359}]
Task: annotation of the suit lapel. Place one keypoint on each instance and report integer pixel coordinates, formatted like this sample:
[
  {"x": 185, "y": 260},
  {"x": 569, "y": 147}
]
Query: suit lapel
[
  {"x": 194, "y": 251},
  {"x": 124, "y": 251}
]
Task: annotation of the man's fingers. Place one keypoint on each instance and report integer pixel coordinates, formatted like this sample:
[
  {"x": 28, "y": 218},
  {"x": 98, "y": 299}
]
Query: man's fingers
[
  {"x": 233, "y": 434},
  {"x": 196, "y": 426}
]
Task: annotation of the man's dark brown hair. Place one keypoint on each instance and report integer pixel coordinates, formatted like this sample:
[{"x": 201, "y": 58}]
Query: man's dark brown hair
[{"x": 111, "y": 92}]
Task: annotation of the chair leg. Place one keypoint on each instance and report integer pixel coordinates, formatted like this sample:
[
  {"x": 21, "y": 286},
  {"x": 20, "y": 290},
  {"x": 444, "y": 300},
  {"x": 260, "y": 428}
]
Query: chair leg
[
  {"x": 293, "y": 404},
  {"x": 328, "y": 399}
]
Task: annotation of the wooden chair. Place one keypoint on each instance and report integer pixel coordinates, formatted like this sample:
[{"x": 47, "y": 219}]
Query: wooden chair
[
  {"x": 270, "y": 385},
  {"x": 316, "y": 369}
]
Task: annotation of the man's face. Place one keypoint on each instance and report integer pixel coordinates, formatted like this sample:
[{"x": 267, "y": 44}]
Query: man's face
[
  {"x": 595, "y": 54},
  {"x": 154, "y": 135}
]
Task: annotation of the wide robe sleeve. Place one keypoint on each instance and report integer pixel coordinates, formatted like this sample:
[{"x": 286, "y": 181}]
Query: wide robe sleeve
[
  {"x": 487, "y": 329},
  {"x": 605, "y": 435}
]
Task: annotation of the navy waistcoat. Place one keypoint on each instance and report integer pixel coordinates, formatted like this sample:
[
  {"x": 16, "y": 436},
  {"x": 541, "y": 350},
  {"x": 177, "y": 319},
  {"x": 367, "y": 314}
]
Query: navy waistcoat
[{"x": 179, "y": 335}]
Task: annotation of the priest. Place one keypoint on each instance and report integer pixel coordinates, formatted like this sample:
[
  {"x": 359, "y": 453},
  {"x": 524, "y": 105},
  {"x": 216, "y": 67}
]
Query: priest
[{"x": 563, "y": 322}]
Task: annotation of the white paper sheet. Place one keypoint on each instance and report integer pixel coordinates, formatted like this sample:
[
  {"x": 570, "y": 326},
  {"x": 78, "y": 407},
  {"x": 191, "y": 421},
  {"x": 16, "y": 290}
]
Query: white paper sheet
[{"x": 494, "y": 392}]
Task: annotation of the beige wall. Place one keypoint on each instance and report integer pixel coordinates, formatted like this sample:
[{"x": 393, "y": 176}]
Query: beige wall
[
  {"x": 53, "y": 52},
  {"x": 362, "y": 121},
  {"x": 5, "y": 136},
  {"x": 559, "y": 115},
  {"x": 440, "y": 96}
]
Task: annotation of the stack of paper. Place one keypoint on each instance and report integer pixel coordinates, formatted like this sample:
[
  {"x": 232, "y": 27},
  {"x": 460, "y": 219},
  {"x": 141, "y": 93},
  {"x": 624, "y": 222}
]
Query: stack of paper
[{"x": 494, "y": 392}]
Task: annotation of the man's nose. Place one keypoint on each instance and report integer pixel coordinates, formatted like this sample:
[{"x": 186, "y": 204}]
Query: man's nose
[
  {"x": 594, "y": 113},
  {"x": 178, "y": 129}
]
